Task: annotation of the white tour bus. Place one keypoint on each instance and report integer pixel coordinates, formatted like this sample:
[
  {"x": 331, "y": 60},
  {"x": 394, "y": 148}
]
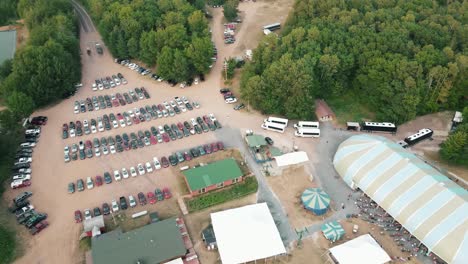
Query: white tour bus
[
  {"x": 277, "y": 120},
  {"x": 273, "y": 127},
  {"x": 307, "y": 124},
  {"x": 307, "y": 132}
]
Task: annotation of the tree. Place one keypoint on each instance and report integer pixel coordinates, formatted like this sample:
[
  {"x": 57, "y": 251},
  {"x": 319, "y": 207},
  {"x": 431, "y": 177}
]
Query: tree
[
  {"x": 181, "y": 67},
  {"x": 455, "y": 148},
  {"x": 165, "y": 63},
  {"x": 20, "y": 104},
  {"x": 200, "y": 52},
  {"x": 198, "y": 24},
  {"x": 230, "y": 9}
]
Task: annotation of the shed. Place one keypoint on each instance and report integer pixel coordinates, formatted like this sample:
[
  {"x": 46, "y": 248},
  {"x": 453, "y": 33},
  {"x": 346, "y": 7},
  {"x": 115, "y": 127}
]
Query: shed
[
  {"x": 209, "y": 237},
  {"x": 323, "y": 111},
  {"x": 353, "y": 126},
  {"x": 291, "y": 158},
  {"x": 255, "y": 141}
]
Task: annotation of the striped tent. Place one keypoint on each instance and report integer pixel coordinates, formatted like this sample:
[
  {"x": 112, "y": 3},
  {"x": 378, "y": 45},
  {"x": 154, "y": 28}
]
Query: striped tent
[
  {"x": 333, "y": 231},
  {"x": 315, "y": 200},
  {"x": 427, "y": 203}
]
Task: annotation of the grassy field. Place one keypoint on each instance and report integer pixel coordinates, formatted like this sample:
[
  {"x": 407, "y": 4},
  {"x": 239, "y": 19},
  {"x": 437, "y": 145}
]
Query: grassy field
[{"x": 347, "y": 109}]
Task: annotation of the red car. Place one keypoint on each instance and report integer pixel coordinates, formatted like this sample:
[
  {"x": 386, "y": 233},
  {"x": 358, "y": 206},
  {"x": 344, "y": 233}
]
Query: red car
[
  {"x": 126, "y": 146},
  {"x": 207, "y": 149},
  {"x": 187, "y": 156},
  {"x": 78, "y": 216},
  {"x": 39, "y": 227},
  {"x": 78, "y": 123},
  {"x": 88, "y": 144},
  {"x": 167, "y": 194},
  {"x": 65, "y": 127},
  {"x": 151, "y": 197},
  {"x": 153, "y": 140},
  {"x": 160, "y": 107},
  {"x": 98, "y": 180},
  {"x": 180, "y": 126},
  {"x": 166, "y": 137},
  {"x": 214, "y": 147},
  {"x": 118, "y": 95},
  {"x": 220, "y": 145},
  {"x": 115, "y": 102},
  {"x": 164, "y": 162},
  {"x": 136, "y": 120},
  {"x": 206, "y": 119},
  {"x": 119, "y": 116},
  {"x": 20, "y": 184}
]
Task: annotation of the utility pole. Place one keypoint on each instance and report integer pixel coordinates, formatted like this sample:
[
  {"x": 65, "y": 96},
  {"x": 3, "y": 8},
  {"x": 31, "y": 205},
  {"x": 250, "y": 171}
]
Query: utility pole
[{"x": 225, "y": 69}]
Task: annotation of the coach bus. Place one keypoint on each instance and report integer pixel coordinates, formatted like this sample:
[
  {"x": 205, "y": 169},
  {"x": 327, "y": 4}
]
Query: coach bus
[
  {"x": 277, "y": 120},
  {"x": 420, "y": 135},
  {"x": 273, "y": 127},
  {"x": 307, "y": 124},
  {"x": 379, "y": 127},
  {"x": 307, "y": 132},
  {"x": 272, "y": 27}
]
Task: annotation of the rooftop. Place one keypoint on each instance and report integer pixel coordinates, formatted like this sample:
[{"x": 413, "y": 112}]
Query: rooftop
[
  {"x": 255, "y": 141},
  {"x": 7, "y": 45},
  {"x": 153, "y": 243},
  {"x": 213, "y": 173}
]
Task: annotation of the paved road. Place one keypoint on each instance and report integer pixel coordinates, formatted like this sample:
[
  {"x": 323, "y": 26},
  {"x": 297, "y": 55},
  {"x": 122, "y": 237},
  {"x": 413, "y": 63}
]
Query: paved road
[{"x": 85, "y": 20}]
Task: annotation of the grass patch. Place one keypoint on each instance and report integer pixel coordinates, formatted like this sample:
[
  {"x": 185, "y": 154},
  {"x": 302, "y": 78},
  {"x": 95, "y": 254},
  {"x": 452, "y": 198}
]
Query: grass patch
[
  {"x": 7, "y": 245},
  {"x": 126, "y": 223},
  {"x": 85, "y": 244},
  {"x": 348, "y": 108},
  {"x": 248, "y": 186}
]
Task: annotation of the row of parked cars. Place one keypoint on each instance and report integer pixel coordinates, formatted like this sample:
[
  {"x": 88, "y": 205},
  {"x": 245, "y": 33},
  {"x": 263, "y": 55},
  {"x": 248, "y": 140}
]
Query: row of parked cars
[
  {"x": 151, "y": 197},
  {"x": 133, "y": 66},
  {"x": 181, "y": 156},
  {"x": 108, "y": 82},
  {"x": 21, "y": 170},
  {"x": 140, "y": 139},
  {"x": 228, "y": 96},
  {"x": 141, "y": 169},
  {"x": 127, "y": 118},
  {"x": 27, "y": 215},
  {"x": 107, "y": 101}
]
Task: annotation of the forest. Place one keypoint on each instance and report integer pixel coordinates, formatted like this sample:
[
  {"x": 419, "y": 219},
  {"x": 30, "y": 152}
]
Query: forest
[
  {"x": 398, "y": 58},
  {"x": 171, "y": 34}
]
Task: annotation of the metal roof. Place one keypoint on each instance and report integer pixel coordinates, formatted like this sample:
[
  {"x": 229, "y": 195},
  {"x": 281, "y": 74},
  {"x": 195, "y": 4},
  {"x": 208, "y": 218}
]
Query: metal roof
[
  {"x": 255, "y": 141},
  {"x": 427, "y": 203},
  {"x": 213, "y": 173},
  {"x": 7, "y": 45},
  {"x": 153, "y": 243}
]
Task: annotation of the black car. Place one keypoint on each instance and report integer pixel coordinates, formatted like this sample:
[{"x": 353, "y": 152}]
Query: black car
[
  {"x": 142, "y": 198},
  {"x": 97, "y": 211},
  {"x": 105, "y": 209},
  {"x": 239, "y": 107},
  {"x": 107, "y": 178},
  {"x": 269, "y": 140},
  {"x": 195, "y": 152},
  {"x": 123, "y": 203},
  {"x": 173, "y": 160}
]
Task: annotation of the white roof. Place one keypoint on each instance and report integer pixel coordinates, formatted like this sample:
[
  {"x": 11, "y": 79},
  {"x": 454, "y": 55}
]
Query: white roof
[
  {"x": 175, "y": 261},
  {"x": 246, "y": 234},
  {"x": 291, "y": 158},
  {"x": 361, "y": 250}
]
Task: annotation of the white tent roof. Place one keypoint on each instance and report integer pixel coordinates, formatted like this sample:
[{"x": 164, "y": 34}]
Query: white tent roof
[
  {"x": 291, "y": 158},
  {"x": 175, "y": 261},
  {"x": 246, "y": 234},
  {"x": 361, "y": 250}
]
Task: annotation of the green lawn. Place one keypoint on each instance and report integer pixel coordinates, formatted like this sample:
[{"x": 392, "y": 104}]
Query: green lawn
[
  {"x": 348, "y": 107},
  {"x": 248, "y": 186}
]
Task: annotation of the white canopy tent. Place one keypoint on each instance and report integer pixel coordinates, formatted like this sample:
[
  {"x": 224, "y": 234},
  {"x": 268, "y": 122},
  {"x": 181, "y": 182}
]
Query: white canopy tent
[
  {"x": 246, "y": 234},
  {"x": 175, "y": 261},
  {"x": 291, "y": 158},
  {"x": 361, "y": 250}
]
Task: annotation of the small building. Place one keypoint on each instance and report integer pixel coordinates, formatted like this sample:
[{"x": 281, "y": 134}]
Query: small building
[
  {"x": 94, "y": 226},
  {"x": 154, "y": 243},
  {"x": 212, "y": 176},
  {"x": 7, "y": 45},
  {"x": 323, "y": 111},
  {"x": 209, "y": 237},
  {"x": 247, "y": 234}
]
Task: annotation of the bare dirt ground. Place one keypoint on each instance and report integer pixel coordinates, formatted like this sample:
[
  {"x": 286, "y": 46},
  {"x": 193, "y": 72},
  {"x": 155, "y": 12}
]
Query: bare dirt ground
[
  {"x": 59, "y": 243},
  {"x": 289, "y": 187}
]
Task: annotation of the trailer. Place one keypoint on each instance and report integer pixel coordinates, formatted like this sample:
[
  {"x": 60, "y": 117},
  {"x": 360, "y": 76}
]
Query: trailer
[
  {"x": 419, "y": 136},
  {"x": 379, "y": 127}
]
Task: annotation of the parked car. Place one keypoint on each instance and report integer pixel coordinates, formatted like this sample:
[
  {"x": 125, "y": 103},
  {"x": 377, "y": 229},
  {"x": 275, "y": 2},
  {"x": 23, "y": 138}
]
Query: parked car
[
  {"x": 105, "y": 209},
  {"x": 38, "y": 227},
  {"x": 115, "y": 206},
  {"x": 117, "y": 176},
  {"x": 167, "y": 193},
  {"x": 78, "y": 218},
  {"x": 132, "y": 201},
  {"x": 133, "y": 172},
  {"x": 151, "y": 197},
  {"x": 141, "y": 169},
  {"x": 107, "y": 177},
  {"x": 87, "y": 214},
  {"x": 80, "y": 185},
  {"x": 71, "y": 187},
  {"x": 141, "y": 198},
  {"x": 164, "y": 162},
  {"x": 98, "y": 180},
  {"x": 148, "y": 166},
  {"x": 123, "y": 203}
]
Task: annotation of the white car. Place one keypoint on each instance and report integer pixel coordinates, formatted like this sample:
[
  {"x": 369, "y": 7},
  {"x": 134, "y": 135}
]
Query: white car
[
  {"x": 115, "y": 124},
  {"x": 94, "y": 87},
  {"x": 212, "y": 117},
  {"x": 166, "y": 105},
  {"x": 93, "y": 129},
  {"x": 112, "y": 149},
  {"x": 130, "y": 113},
  {"x": 85, "y": 123},
  {"x": 72, "y": 132},
  {"x": 178, "y": 101},
  {"x": 157, "y": 164},
  {"x": 193, "y": 121},
  {"x": 25, "y": 171},
  {"x": 137, "y": 111},
  {"x": 184, "y": 99},
  {"x": 161, "y": 129},
  {"x": 230, "y": 100},
  {"x": 133, "y": 172},
  {"x": 115, "y": 206},
  {"x": 195, "y": 81},
  {"x": 87, "y": 214},
  {"x": 21, "y": 177},
  {"x": 89, "y": 183},
  {"x": 173, "y": 104},
  {"x": 105, "y": 150},
  {"x": 183, "y": 109},
  {"x": 76, "y": 110},
  {"x": 24, "y": 160},
  {"x": 132, "y": 201},
  {"x": 124, "y": 173},
  {"x": 97, "y": 152},
  {"x": 28, "y": 145},
  {"x": 165, "y": 113},
  {"x": 124, "y": 81},
  {"x": 122, "y": 122},
  {"x": 66, "y": 149},
  {"x": 18, "y": 184},
  {"x": 32, "y": 131},
  {"x": 117, "y": 175},
  {"x": 182, "y": 85},
  {"x": 141, "y": 169},
  {"x": 100, "y": 128},
  {"x": 149, "y": 168},
  {"x": 196, "y": 105},
  {"x": 66, "y": 158},
  {"x": 129, "y": 121}
]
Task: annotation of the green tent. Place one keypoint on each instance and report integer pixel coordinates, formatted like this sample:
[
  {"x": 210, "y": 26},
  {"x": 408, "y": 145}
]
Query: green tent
[{"x": 333, "y": 231}]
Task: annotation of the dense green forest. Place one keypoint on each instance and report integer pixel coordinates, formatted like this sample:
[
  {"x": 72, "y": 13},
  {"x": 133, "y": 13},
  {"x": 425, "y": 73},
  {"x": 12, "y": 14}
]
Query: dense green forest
[
  {"x": 47, "y": 67},
  {"x": 172, "y": 34},
  {"x": 7, "y": 11},
  {"x": 398, "y": 58}
]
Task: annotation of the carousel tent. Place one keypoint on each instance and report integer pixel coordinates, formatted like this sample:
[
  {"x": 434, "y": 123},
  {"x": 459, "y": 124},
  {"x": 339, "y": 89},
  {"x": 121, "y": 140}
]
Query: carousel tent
[
  {"x": 315, "y": 200},
  {"x": 427, "y": 203},
  {"x": 333, "y": 231}
]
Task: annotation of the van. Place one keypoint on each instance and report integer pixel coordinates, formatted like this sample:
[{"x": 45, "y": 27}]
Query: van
[{"x": 20, "y": 198}]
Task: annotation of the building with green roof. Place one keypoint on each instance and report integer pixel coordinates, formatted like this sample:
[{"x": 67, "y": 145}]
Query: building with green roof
[
  {"x": 154, "y": 243},
  {"x": 7, "y": 45},
  {"x": 212, "y": 176}
]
